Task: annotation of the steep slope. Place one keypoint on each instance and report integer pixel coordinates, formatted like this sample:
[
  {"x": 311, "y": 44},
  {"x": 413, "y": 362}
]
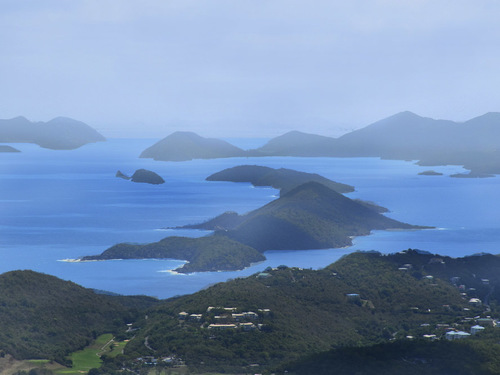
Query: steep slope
[
  {"x": 61, "y": 133},
  {"x": 42, "y": 316},
  {"x": 282, "y": 179},
  {"x": 310, "y": 216},
  {"x": 181, "y": 146}
]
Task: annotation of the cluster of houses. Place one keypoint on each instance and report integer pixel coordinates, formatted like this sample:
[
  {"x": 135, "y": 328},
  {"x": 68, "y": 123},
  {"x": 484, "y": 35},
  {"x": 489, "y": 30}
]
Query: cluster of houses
[
  {"x": 227, "y": 318},
  {"x": 454, "y": 333}
]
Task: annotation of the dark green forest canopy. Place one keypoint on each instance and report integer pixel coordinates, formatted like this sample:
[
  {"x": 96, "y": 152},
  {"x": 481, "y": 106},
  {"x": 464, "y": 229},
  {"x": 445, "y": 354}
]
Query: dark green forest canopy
[
  {"x": 42, "y": 316},
  {"x": 310, "y": 311}
]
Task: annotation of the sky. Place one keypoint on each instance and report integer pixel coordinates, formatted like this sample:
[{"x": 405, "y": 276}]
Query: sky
[{"x": 247, "y": 68}]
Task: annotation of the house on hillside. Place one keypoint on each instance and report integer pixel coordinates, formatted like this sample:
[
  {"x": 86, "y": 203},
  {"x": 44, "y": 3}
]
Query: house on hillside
[
  {"x": 475, "y": 302},
  {"x": 476, "y": 329},
  {"x": 456, "y": 335},
  {"x": 222, "y": 326},
  {"x": 195, "y": 317}
]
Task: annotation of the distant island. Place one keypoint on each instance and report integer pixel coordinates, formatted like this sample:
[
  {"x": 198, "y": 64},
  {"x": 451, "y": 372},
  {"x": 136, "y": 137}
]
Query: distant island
[
  {"x": 309, "y": 216},
  {"x": 282, "y": 179},
  {"x": 182, "y": 146},
  {"x": 430, "y": 173},
  {"x": 471, "y": 175},
  {"x": 60, "y": 133},
  {"x": 5, "y": 148},
  {"x": 142, "y": 176},
  {"x": 404, "y": 136}
]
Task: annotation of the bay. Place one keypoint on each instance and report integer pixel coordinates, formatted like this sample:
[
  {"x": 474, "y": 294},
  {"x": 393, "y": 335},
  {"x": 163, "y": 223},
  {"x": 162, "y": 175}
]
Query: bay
[{"x": 57, "y": 205}]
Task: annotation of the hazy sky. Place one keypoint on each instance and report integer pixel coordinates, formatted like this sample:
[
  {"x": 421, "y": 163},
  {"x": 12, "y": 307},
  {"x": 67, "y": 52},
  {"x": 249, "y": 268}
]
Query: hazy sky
[{"x": 247, "y": 67}]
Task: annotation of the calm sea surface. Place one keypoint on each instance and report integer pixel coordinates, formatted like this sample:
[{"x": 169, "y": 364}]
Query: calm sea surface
[{"x": 57, "y": 205}]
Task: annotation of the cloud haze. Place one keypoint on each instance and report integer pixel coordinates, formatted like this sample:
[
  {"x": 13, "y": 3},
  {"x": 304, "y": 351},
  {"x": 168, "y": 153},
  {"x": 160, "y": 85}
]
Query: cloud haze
[{"x": 238, "y": 68}]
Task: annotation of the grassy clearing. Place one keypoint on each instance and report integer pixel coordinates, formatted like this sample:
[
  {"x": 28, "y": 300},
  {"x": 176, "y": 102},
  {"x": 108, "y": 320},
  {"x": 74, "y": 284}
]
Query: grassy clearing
[{"x": 84, "y": 360}]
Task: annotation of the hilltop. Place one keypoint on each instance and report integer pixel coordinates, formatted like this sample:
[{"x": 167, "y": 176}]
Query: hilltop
[
  {"x": 42, "y": 316},
  {"x": 60, "y": 133},
  {"x": 310, "y": 216},
  {"x": 181, "y": 146}
]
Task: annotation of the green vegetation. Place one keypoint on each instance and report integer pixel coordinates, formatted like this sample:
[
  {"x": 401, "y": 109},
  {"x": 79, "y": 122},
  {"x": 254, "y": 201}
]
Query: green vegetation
[
  {"x": 354, "y": 316},
  {"x": 43, "y": 317},
  {"x": 476, "y": 355},
  {"x": 211, "y": 253},
  {"x": 282, "y": 179},
  {"x": 309, "y": 311},
  {"x": 90, "y": 357}
]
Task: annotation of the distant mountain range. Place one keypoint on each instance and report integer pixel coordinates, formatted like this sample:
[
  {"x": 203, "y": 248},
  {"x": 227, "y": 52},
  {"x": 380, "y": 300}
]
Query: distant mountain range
[
  {"x": 61, "y": 133},
  {"x": 406, "y": 136}
]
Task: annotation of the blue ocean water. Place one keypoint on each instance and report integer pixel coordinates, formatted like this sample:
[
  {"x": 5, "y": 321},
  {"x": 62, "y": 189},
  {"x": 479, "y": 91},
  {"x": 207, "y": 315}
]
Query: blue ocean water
[{"x": 57, "y": 205}]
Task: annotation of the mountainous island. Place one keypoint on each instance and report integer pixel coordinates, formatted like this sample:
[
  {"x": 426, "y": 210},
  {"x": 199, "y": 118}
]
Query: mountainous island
[
  {"x": 142, "y": 176},
  {"x": 60, "y": 133},
  {"x": 403, "y": 136},
  {"x": 182, "y": 146},
  {"x": 367, "y": 312},
  {"x": 309, "y": 216},
  {"x": 406, "y": 136},
  {"x": 283, "y": 179}
]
